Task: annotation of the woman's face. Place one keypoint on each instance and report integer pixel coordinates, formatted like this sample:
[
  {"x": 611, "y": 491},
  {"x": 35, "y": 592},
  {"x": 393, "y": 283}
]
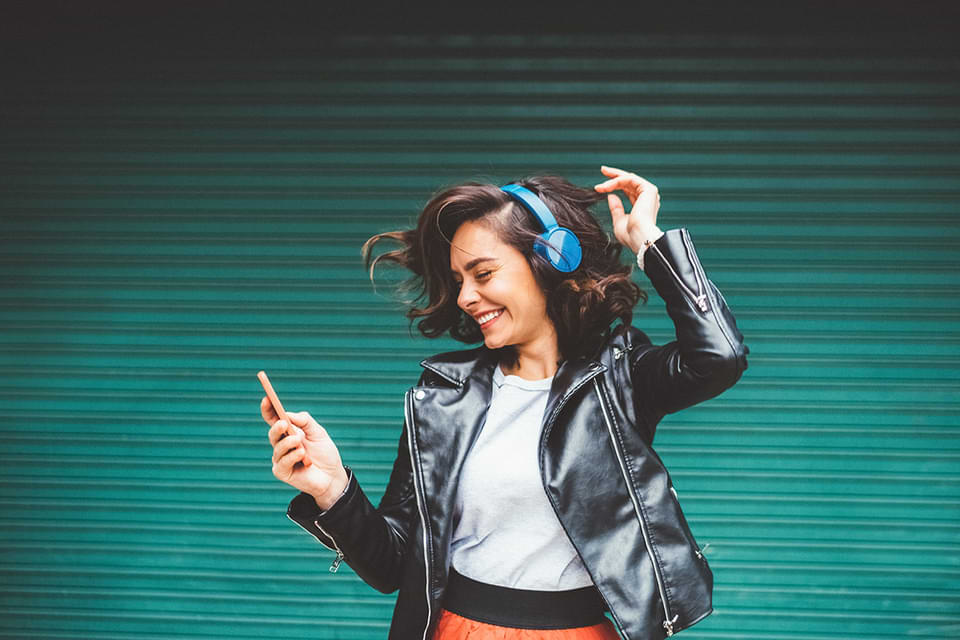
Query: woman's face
[{"x": 495, "y": 277}]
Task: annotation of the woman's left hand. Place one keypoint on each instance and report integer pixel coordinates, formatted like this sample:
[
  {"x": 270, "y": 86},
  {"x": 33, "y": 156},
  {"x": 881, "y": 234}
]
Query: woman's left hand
[{"x": 631, "y": 230}]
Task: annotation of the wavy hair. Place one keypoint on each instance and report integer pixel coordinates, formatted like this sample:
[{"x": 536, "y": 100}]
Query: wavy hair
[{"x": 582, "y": 304}]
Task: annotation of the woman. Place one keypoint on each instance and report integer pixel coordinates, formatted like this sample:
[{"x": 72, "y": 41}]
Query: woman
[{"x": 526, "y": 499}]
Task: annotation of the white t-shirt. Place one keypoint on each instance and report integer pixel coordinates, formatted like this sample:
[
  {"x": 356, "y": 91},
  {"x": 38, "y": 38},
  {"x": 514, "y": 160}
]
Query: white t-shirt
[{"x": 505, "y": 530}]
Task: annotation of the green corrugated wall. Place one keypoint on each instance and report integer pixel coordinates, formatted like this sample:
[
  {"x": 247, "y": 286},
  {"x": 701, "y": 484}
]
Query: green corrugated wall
[{"x": 175, "y": 223}]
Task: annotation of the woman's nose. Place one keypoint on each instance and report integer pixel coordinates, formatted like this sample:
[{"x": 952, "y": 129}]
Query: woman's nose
[{"x": 468, "y": 296}]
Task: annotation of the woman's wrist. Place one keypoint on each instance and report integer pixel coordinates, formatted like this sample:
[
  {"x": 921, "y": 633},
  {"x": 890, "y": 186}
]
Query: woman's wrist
[
  {"x": 647, "y": 237},
  {"x": 334, "y": 492}
]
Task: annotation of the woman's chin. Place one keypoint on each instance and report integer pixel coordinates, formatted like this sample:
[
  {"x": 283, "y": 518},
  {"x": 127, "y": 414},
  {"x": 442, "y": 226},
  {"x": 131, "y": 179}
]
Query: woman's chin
[{"x": 493, "y": 342}]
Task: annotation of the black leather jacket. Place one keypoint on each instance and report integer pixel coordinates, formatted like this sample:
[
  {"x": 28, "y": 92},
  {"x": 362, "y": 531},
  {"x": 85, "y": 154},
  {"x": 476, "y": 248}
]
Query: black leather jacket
[{"x": 610, "y": 490}]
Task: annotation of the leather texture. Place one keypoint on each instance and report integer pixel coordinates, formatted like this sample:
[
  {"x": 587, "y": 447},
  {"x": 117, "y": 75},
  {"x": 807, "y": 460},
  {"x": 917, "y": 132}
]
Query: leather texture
[{"x": 610, "y": 490}]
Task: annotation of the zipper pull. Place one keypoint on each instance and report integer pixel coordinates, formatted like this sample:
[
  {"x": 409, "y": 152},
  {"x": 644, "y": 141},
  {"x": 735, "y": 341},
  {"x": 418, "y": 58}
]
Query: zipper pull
[
  {"x": 339, "y": 558},
  {"x": 702, "y": 550},
  {"x": 336, "y": 562},
  {"x": 699, "y": 300},
  {"x": 619, "y": 353},
  {"x": 668, "y": 624}
]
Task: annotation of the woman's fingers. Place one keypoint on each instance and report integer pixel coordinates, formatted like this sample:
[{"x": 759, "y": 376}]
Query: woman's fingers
[
  {"x": 267, "y": 411},
  {"x": 276, "y": 432},
  {"x": 612, "y": 170},
  {"x": 284, "y": 446},
  {"x": 633, "y": 186},
  {"x": 309, "y": 431},
  {"x": 303, "y": 421},
  {"x": 283, "y": 467},
  {"x": 287, "y": 434},
  {"x": 279, "y": 430},
  {"x": 626, "y": 182},
  {"x": 620, "y": 178},
  {"x": 644, "y": 199},
  {"x": 620, "y": 173},
  {"x": 616, "y": 208},
  {"x": 619, "y": 217}
]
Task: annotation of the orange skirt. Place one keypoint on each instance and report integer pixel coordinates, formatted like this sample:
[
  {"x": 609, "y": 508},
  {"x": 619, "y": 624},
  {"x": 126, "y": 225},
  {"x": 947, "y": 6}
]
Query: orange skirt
[{"x": 455, "y": 627}]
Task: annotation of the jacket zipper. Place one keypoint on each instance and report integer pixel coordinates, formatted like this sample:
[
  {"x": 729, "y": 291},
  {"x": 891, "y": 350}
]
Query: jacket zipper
[
  {"x": 553, "y": 415},
  {"x": 700, "y": 298},
  {"x": 668, "y": 621},
  {"x": 336, "y": 561},
  {"x": 421, "y": 505},
  {"x": 697, "y": 268},
  {"x": 339, "y": 558},
  {"x": 702, "y": 550}
]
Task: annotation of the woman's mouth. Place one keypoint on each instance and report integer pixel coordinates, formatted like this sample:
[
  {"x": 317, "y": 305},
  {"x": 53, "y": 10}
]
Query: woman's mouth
[{"x": 489, "y": 318}]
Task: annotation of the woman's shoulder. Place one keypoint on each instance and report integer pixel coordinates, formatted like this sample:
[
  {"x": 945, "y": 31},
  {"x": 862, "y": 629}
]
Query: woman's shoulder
[{"x": 626, "y": 336}]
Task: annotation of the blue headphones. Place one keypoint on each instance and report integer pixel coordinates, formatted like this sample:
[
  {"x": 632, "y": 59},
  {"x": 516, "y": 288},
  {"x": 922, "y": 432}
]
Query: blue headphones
[{"x": 558, "y": 245}]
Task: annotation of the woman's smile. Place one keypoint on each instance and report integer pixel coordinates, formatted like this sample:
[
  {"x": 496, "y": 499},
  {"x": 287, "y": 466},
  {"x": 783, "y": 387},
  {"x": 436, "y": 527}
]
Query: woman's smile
[{"x": 489, "y": 318}]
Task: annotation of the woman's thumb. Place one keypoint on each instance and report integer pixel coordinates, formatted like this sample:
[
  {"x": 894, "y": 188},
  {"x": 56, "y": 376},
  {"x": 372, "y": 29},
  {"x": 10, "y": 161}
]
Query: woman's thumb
[{"x": 301, "y": 420}]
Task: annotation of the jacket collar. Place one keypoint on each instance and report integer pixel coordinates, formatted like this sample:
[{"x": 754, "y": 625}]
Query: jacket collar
[
  {"x": 478, "y": 363},
  {"x": 457, "y": 366}
]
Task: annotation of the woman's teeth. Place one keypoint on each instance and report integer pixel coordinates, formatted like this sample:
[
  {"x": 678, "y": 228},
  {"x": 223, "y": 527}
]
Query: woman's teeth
[{"x": 489, "y": 316}]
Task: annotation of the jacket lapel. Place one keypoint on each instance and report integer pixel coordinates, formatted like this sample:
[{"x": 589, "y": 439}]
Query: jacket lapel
[
  {"x": 570, "y": 376},
  {"x": 449, "y": 419}
]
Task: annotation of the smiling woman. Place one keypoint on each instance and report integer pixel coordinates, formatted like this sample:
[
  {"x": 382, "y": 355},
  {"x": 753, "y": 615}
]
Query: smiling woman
[
  {"x": 526, "y": 500},
  {"x": 473, "y": 252}
]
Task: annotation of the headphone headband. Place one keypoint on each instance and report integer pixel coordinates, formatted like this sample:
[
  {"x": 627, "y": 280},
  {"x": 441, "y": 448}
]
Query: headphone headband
[
  {"x": 558, "y": 245},
  {"x": 533, "y": 203}
]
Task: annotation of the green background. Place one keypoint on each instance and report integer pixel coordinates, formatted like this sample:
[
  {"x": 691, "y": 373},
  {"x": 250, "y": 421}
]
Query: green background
[{"x": 176, "y": 218}]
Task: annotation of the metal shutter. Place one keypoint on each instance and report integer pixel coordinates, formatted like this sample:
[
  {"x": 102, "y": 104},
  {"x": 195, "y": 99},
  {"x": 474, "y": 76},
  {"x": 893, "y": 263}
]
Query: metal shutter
[{"x": 174, "y": 224}]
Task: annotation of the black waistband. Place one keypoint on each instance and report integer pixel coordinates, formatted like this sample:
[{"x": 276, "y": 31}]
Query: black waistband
[{"x": 523, "y": 608}]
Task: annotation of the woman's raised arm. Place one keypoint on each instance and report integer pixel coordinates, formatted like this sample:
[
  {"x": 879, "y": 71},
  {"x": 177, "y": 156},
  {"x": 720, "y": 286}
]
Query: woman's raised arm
[{"x": 709, "y": 354}]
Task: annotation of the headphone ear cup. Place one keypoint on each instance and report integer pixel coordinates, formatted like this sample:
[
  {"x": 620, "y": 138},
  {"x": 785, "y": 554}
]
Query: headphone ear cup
[{"x": 560, "y": 247}]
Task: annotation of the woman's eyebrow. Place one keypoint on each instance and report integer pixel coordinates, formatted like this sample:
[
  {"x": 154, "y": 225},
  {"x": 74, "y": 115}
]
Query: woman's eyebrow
[{"x": 473, "y": 263}]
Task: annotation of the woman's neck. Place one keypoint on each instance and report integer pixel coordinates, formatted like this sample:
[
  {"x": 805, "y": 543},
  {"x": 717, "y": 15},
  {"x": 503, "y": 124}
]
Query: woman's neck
[{"x": 533, "y": 366}]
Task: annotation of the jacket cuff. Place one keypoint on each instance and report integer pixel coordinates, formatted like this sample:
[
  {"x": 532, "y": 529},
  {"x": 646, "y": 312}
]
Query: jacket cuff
[
  {"x": 304, "y": 511},
  {"x": 673, "y": 269}
]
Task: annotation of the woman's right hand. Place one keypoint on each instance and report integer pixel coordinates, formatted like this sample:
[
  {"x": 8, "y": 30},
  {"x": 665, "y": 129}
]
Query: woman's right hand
[
  {"x": 325, "y": 478},
  {"x": 641, "y": 224}
]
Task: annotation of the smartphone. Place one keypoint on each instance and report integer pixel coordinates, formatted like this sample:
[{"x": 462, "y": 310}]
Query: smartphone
[{"x": 277, "y": 406}]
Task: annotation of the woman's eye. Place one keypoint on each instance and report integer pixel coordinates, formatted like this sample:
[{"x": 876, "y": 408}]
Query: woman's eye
[{"x": 483, "y": 274}]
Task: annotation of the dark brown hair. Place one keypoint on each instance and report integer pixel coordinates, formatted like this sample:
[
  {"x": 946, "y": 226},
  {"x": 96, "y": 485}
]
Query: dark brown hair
[{"x": 582, "y": 304}]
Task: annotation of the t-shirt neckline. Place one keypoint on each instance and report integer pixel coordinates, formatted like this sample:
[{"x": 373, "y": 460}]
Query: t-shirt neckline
[{"x": 500, "y": 378}]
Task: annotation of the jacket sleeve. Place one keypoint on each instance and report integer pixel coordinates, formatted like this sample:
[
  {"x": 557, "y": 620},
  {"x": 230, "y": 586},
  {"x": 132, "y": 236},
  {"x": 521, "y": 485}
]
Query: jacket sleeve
[
  {"x": 709, "y": 354},
  {"x": 373, "y": 541}
]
